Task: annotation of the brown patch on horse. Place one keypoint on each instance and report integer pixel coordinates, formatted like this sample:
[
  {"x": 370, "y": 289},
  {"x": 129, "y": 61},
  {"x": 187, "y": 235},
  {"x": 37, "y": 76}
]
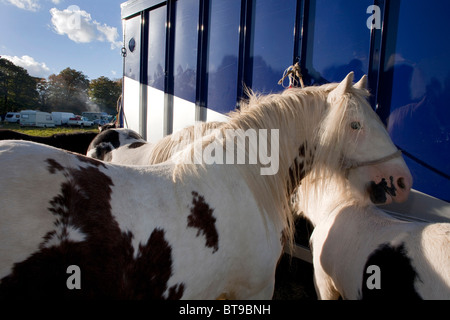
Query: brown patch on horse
[
  {"x": 104, "y": 254},
  {"x": 92, "y": 161},
  {"x": 296, "y": 170},
  {"x": 151, "y": 271},
  {"x": 136, "y": 145},
  {"x": 227, "y": 296},
  {"x": 299, "y": 167},
  {"x": 53, "y": 166},
  {"x": 202, "y": 218}
]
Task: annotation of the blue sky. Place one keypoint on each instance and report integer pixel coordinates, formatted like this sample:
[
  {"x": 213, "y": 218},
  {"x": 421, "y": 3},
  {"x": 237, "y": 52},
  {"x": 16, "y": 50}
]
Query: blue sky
[{"x": 47, "y": 36}]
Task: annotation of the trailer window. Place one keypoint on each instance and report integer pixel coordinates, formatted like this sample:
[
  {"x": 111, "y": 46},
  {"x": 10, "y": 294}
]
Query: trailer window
[
  {"x": 156, "y": 47},
  {"x": 273, "y": 42},
  {"x": 133, "y": 47},
  {"x": 223, "y": 52},
  {"x": 416, "y": 86},
  {"x": 338, "y": 40},
  {"x": 185, "y": 56}
]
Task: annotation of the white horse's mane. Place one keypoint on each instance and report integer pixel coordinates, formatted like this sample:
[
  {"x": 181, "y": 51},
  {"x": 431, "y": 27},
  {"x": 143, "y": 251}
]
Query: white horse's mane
[
  {"x": 167, "y": 147},
  {"x": 304, "y": 118}
]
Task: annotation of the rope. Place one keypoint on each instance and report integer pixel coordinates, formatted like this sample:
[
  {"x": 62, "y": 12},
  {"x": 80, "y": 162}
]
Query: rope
[
  {"x": 294, "y": 73},
  {"x": 120, "y": 112}
]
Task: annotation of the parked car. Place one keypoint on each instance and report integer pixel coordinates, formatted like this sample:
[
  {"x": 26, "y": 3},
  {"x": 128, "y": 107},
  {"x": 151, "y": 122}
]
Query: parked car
[
  {"x": 80, "y": 121},
  {"x": 12, "y": 117},
  {"x": 101, "y": 122}
]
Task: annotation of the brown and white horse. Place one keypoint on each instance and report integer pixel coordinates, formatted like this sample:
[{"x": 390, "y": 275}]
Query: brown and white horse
[
  {"x": 360, "y": 252},
  {"x": 125, "y": 146},
  {"x": 210, "y": 222}
]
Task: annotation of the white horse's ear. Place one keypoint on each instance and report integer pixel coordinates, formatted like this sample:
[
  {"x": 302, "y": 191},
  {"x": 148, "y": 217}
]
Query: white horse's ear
[
  {"x": 342, "y": 88},
  {"x": 361, "y": 84}
]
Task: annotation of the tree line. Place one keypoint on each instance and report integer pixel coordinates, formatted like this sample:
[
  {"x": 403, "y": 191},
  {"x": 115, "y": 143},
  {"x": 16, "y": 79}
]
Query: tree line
[{"x": 68, "y": 91}]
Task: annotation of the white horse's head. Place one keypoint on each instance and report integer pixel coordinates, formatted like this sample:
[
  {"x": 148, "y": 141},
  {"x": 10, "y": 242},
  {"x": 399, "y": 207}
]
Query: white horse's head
[{"x": 370, "y": 160}]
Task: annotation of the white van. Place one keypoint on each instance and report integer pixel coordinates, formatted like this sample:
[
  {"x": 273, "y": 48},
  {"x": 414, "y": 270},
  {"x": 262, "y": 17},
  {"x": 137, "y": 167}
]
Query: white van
[
  {"x": 61, "y": 118},
  {"x": 12, "y": 117},
  {"x": 35, "y": 118}
]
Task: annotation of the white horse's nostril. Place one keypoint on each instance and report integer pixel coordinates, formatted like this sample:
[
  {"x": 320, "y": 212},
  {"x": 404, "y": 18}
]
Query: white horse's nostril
[{"x": 401, "y": 183}]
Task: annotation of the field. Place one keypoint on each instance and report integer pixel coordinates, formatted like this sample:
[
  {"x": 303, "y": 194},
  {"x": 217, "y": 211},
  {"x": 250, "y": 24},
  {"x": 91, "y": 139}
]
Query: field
[{"x": 44, "y": 132}]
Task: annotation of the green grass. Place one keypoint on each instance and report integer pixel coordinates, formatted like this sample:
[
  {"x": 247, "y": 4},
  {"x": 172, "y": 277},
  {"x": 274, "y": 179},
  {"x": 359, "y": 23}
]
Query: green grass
[{"x": 45, "y": 132}]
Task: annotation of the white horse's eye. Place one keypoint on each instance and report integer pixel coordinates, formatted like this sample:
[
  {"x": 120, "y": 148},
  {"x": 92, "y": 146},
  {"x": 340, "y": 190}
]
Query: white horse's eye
[{"x": 356, "y": 125}]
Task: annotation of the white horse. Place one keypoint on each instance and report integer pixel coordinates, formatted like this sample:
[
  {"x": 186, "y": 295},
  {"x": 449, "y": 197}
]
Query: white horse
[
  {"x": 191, "y": 227},
  {"x": 360, "y": 252}
]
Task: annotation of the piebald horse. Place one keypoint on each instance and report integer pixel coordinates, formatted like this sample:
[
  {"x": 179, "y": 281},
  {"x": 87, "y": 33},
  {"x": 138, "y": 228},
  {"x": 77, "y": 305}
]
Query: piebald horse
[
  {"x": 193, "y": 227},
  {"x": 125, "y": 146},
  {"x": 361, "y": 252}
]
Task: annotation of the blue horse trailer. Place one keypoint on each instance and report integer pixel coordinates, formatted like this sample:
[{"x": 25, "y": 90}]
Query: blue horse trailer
[{"x": 190, "y": 60}]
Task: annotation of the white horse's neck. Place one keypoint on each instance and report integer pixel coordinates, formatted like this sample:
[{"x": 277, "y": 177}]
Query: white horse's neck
[
  {"x": 321, "y": 200},
  {"x": 300, "y": 117},
  {"x": 294, "y": 115}
]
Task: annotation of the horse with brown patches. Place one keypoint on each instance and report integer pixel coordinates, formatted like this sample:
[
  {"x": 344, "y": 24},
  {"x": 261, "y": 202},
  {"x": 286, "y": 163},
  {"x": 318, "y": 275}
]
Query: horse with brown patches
[
  {"x": 361, "y": 252},
  {"x": 126, "y": 146},
  {"x": 195, "y": 226}
]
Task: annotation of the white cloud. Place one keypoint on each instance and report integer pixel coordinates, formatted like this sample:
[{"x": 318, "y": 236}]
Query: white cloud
[
  {"x": 109, "y": 34},
  {"x": 31, "y": 5},
  {"x": 34, "y": 68},
  {"x": 78, "y": 25},
  {"x": 56, "y": 1}
]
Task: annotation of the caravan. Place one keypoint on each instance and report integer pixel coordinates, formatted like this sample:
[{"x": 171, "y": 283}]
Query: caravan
[
  {"x": 61, "y": 118},
  {"x": 12, "y": 117},
  {"x": 35, "y": 118}
]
